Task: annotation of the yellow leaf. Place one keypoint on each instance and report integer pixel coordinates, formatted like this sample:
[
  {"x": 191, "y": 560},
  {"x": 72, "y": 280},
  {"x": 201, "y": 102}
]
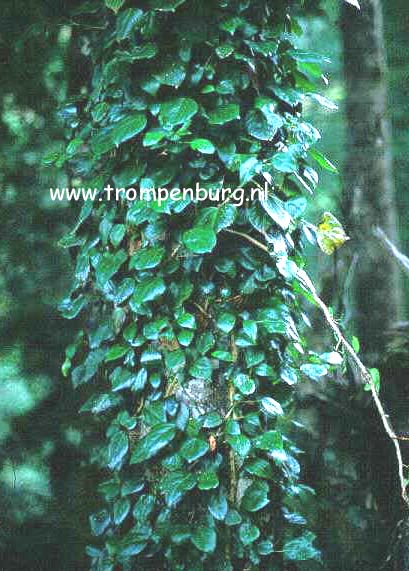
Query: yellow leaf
[{"x": 330, "y": 234}]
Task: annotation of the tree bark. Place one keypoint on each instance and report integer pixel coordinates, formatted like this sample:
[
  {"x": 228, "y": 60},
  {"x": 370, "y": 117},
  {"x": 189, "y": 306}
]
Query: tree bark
[
  {"x": 369, "y": 194},
  {"x": 369, "y": 201}
]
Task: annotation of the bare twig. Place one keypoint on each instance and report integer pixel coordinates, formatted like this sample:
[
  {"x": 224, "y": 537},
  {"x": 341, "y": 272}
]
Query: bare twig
[
  {"x": 365, "y": 376},
  {"x": 402, "y": 260}
]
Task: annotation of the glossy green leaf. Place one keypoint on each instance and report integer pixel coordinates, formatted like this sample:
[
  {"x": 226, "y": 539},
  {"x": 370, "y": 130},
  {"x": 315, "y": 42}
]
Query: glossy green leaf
[
  {"x": 218, "y": 506},
  {"x": 147, "y": 258},
  {"x": 128, "y": 127},
  {"x": 301, "y": 548},
  {"x": 240, "y": 444},
  {"x": 248, "y": 533},
  {"x": 114, "y": 5},
  {"x": 117, "y": 449},
  {"x": 177, "y": 111},
  {"x": 193, "y": 449},
  {"x": 244, "y": 384},
  {"x": 109, "y": 265},
  {"x": 204, "y": 539},
  {"x": 148, "y": 290},
  {"x": 271, "y": 407},
  {"x": 208, "y": 480},
  {"x": 255, "y": 497},
  {"x": 200, "y": 240},
  {"x": 121, "y": 510},
  {"x": 203, "y": 146},
  {"x": 157, "y": 439},
  {"x": 224, "y": 114}
]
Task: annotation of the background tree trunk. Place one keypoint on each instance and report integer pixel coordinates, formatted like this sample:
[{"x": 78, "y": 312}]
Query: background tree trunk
[
  {"x": 369, "y": 200},
  {"x": 369, "y": 194}
]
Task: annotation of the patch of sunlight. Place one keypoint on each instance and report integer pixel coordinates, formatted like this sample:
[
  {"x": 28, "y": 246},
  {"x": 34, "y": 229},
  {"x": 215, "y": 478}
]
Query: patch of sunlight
[
  {"x": 18, "y": 393},
  {"x": 26, "y": 478}
]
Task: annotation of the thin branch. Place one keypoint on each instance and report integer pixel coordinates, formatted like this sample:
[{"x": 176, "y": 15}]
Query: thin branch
[
  {"x": 249, "y": 239},
  {"x": 402, "y": 260},
  {"x": 366, "y": 377}
]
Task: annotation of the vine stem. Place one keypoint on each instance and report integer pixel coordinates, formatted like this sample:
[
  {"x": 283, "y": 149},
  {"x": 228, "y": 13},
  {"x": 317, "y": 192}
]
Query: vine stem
[{"x": 366, "y": 377}]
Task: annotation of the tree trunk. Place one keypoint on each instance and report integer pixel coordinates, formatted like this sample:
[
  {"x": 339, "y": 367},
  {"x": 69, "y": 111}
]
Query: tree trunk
[
  {"x": 369, "y": 201},
  {"x": 369, "y": 195}
]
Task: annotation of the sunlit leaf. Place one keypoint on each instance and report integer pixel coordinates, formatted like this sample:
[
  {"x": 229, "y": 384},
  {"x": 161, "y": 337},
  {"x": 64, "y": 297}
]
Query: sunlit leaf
[{"x": 330, "y": 234}]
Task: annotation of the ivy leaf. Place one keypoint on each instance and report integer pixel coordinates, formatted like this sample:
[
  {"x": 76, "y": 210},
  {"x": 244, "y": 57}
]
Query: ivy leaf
[
  {"x": 204, "y": 539},
  {"x": 270, "y": 441},
  {"x": 324, "y": 101},
  {"x": 255, "y": 497},
  {"x": 233, "y": 518},
  {"x": 144, "y": 507},
  {"x": 330, "y": 234},
  {"x": 248, "y": 169},
  {"x": 301, "y": 548},
  {"x": 275, "y": 209},
  {"x": 226, "y": 215},
  {"x": 101, "y": 403},
  {"x": 258, "y": 126},
  {"x": 212, "y": 420},
  {"x": 248, "y": 533},
  {"x": 70, "y": 309},
  {"x": 159, "y": 437},
  {"x": 200, "y": 240},
  {"x": 261, "y": 468},
  {"x": 127, "y": 21},
  {"x": 244, "y": 384},
  {"x": 225, "y": 50},
  {"x": 240, "y": 444},
  {"x": 108, "y": 265},
  {"x": 271, "y": 406},
  {"x": 114, "y": 5},
  {"x": 117, "y": 234},
  {"x": 323, "y": 161},
  {"x": 224, "y": 114},
  {"x": 202, "y": 369},
  {"x": 177, "y": 111},
  {"x": 218, "y": 506},
  {"x": 314, "y": 371},
  {"x": 147, "y": 258},
  {"x": 121, "y": 510},
  {"x": 148, "y": 290},
  {"x": 147, "y": 51},
  {"x": 193, "y": 449},
  {"x": 265, "y": 547},
  {"x": 225, "y": 322},
  {"x": 203, "y": 146},
  {"x": 116, "y": 352},
  {"x": 208, "y": 480},
  {"x": 117, "y": 449},
  {"x": 177, "y": 482},
  {"x": 83, "y": 373},
  {"x": 187, "y": 321},
  {"x": 285, "y": 162},
  {"x": 173, "y": 74},
  {"x": 128, "y": 127},
  {"x": 99, "y": 522}
]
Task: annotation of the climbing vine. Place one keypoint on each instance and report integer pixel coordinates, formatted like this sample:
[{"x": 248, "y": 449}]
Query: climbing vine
[{"x": 191, "y": 348}]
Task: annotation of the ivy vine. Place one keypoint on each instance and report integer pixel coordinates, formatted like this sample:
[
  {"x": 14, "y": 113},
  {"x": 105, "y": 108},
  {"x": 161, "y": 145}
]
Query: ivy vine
[{"x": 191, "y": 347}]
